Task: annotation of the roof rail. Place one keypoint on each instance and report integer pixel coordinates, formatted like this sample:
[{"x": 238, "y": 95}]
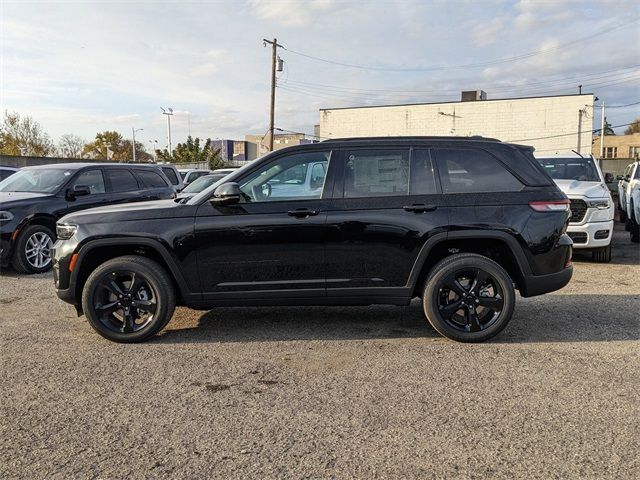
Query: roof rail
[{"x": 415, "y": 137}]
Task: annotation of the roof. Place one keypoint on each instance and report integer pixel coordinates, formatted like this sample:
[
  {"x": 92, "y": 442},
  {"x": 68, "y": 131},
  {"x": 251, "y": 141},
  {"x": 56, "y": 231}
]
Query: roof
[
  {"x": 413, "y": 139},
  {"x": 79, "y": 165},
  {"x": 511, "y": 99}
]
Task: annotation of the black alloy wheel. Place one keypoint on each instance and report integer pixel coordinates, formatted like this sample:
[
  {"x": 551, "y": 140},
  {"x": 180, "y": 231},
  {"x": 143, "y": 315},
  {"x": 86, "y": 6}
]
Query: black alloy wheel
[
  {"x": 468, "y": 297},
  {"x": 128, "y": 299}
]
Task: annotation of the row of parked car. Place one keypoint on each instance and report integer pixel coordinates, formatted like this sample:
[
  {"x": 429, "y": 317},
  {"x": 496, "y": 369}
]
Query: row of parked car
[
  {"x": 629, "y": 199},
  {"x": 32, "y": 199}
]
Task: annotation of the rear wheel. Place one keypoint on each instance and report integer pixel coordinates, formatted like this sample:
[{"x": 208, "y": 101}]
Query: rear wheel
[
  {"x": 468, "y": 297},
  {"x": 602, "y": 255},
  {"x": 128, "y": 299},
  {"x": 634, "y": 231},
  {"x": 33, "y": 249}
]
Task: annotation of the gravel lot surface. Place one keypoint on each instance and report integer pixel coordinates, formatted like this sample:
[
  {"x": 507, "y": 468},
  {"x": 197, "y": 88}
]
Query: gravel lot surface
[{"x": 327, "y": 392}]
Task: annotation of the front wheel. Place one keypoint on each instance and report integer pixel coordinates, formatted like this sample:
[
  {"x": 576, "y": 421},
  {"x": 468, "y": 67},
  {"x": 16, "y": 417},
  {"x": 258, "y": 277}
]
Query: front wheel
[
  {"x": 128, "y": 299},
  {"x": 33, "y": 249},
  {"x": 468, "y": 298},
  {"x": 602, "y": 254}
]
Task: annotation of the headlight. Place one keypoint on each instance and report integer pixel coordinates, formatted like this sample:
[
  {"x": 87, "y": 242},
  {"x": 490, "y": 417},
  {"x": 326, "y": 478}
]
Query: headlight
[
  {"x": 65, "y": 232},
  {"x": 601, "y": 204},
  {"x": 5, "y": 216}
]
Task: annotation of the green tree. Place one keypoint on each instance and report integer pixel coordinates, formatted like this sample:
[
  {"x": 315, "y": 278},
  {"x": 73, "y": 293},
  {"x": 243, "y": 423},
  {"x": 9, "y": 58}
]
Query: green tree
[
  {"x": 191, "y": 152},
  {"x": 119, "y": 148},
  {"x": 22, "y": 135},
  {"x": 607, "y": 128},
  {"x": 633, "y": 128}
]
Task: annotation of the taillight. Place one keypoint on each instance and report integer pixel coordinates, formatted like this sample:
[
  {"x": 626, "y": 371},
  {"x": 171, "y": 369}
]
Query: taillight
[{"x": 551, "y": 206}]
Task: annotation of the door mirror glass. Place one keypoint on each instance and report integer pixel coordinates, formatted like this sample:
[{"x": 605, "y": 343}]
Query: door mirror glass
[{"x": 226, "y": 194}]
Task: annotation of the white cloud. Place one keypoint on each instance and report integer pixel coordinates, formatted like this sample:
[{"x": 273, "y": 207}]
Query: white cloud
[
  {"x": 488, "y": 33},
  {"x": 290, "y": 13}
]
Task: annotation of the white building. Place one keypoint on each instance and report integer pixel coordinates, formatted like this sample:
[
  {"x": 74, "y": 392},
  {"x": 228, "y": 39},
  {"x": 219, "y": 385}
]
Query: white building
[{"x": 556, "y": 124}]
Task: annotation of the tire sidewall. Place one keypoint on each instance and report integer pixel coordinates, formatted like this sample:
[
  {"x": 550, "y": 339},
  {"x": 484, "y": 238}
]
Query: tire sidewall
[
  {"x": 164, "y": 309},
  {"x": 442, "y": 270},
  {"x": 20, "y": 262}
]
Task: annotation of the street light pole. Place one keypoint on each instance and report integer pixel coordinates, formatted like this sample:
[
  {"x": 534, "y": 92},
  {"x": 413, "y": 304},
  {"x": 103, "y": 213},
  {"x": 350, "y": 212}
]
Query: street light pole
[
  {"x": 133, "y": 145},
  {"x": 168, "y": 112},
  {"x": 153, "y": 149}
]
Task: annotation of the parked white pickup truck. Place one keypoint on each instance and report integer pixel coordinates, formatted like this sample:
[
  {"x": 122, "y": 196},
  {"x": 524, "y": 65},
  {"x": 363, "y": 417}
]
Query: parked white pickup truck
[
  {"x": 629, "y": 199},
  {"x": 592, "y": 208}
]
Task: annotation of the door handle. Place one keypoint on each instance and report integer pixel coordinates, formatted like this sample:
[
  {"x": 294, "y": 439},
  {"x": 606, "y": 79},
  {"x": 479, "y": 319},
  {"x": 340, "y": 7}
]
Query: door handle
[
  {"x": 302, "y": 213},
  {"x": 419, "y": 208}
]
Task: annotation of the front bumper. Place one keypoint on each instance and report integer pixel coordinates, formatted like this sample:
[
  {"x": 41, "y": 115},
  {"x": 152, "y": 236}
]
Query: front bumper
[{"x": 584, "y": 235}]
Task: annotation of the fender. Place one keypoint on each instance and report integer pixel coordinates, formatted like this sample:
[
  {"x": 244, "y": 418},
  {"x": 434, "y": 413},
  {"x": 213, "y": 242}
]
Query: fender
[
  {"x": 174, "y": 269},
  {"x": 511, "y": 242}
]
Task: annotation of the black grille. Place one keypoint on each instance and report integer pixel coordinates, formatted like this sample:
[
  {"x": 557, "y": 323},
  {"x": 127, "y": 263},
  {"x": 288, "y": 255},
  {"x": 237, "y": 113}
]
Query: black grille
[
  {"x": 578, "y": 211},
  {"x": 578, "y": 237}
]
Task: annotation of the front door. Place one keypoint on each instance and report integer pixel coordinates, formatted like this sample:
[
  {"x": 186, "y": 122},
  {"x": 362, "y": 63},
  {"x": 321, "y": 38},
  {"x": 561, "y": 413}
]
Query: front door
[{"x": 271, "y": 244}]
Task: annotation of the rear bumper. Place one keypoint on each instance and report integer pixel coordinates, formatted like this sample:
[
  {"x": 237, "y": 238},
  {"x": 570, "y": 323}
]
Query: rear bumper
[{"x": 539, "y": 284}]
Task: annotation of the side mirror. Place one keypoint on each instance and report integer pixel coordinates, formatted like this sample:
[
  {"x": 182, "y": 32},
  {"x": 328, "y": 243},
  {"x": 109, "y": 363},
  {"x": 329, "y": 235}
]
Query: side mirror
[
  {"x": 608, "y": 177},
  {"x": 78, "y": 191},
  {"x": 619, "y": 177},
  {"x": 226, "y": 194}
]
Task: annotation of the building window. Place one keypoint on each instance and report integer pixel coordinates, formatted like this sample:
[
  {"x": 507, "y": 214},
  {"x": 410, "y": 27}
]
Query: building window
[
  {"x": 634, "y": 152},
  {"x": 610, "y": 152}
]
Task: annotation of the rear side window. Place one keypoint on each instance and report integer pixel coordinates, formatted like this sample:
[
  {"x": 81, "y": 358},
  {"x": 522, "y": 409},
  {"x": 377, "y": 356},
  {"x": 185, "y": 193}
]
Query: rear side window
[
  {"x": 376, "y": 173},
  {"x": 121, "y": 180},
  {"x": 151, "y": 179},
  {"x": 637, "y": 175},
  {"x": 473, "y": 171},
  {"x": 92, "y": 179},
  {"x": 171, "y": 175}
]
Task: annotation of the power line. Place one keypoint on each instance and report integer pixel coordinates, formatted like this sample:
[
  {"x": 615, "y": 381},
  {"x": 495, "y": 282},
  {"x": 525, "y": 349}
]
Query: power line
[
  {"x": 623, "y": 106},
  {"x": 614, "y": 26},
  {"x": 565, "y": 134}
]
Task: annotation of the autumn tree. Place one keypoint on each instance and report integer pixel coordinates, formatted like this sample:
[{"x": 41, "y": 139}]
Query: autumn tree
[
  {"x": 192, "y": 152},
  {"x": 633, "y": 128},
  {"x": 22, "y": 135},
  {"x": 119, "y": 148},
  {"x": 70, "y": 146}
]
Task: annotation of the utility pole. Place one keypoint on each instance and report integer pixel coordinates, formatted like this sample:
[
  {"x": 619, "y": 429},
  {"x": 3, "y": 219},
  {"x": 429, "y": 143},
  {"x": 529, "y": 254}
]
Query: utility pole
[
  {"x": 602, "y": 123},
  {"x": 579, "y": 131},
  {"x": 133, "y": 145},
  {"x": 168, "y": 112},
  {"x": 274, "y": 61},
  {"x": 579, "y": 89}
]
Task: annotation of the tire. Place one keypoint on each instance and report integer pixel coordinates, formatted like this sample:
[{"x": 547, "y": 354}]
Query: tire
[
  {"x": 33, "y": 249},
  {"x": 461, "y": 325},
  {"x": 623, "y": 216},
  {"x": 602, "y": 255},
  {"x": 128, "y": 299}
]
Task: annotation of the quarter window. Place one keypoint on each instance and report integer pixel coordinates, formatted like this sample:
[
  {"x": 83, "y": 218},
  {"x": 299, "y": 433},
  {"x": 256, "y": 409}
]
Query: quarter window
[
  {"x": 473, "y": 171},
  {"x": 171, "y": 175},
  {"x": 92, "y": 179},
  {"x": 423, "y": 179},
  {"x": 376, "y": 173},
  {"x": 151, "y": 179},
  {"x": 298, "y": 176},
  {"x": 122, "y": 180}
]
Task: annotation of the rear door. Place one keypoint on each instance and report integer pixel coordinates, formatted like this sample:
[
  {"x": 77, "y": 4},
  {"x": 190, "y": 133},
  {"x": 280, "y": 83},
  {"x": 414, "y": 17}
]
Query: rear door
[
  {"x": 123, "y": 185},
  {"x": 386, "y": 205},
  {"x": 154, "y": 185}
]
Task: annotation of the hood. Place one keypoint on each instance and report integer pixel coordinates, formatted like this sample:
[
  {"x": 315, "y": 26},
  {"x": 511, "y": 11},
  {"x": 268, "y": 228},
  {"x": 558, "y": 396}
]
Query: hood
[
  {"x": 9, "y": 199},
  {"x": 583, "y": 189},
  {"x": 126, "y": 212}
]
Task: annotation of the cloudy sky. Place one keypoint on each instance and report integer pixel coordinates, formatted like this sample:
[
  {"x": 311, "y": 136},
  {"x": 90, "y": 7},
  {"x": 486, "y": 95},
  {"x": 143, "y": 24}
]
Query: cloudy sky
[{"x": 87, "y": 66}]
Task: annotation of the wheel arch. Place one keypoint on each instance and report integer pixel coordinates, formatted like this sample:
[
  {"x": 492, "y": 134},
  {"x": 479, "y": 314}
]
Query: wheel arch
[
  {"x": 96, "y": 252},
  {"x": 499, "y": 246}
]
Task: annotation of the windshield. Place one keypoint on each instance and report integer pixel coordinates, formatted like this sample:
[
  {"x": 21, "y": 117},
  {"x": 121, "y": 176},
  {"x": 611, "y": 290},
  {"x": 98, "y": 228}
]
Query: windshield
[
  {"x": 201, "y": 183},
  {"x": 582, "y": 169},
  {"x": 37, "y": 180}
]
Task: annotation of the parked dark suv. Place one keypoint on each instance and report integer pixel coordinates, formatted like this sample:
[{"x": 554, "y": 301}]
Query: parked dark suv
[
  {"x": 457, "y": 222},
  {"x": 34, "y": 198}
]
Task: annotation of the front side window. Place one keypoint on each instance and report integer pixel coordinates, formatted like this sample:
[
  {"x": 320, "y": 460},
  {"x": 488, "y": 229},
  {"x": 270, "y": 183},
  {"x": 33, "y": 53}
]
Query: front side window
[
  {"x": 376, "y": 173},
  {"x": 582, "y": 169},
  {"x": 473, "y": 171},
  {"x": 122, "y": 180},
  {"x": 92, "y": 179},
  {"x": 297, "y": 176}
]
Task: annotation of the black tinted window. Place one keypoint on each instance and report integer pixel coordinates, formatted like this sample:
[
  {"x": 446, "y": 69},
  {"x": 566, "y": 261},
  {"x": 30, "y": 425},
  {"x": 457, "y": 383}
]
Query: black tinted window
[
  {"x": 151, "y": 179},
  {"x": 92, "y": 179},
  {"x": 171, "y": 175},
  {"x": 122, "y": 180},
  {"x": 376, "y": 173},
  {"x": 423, "y": 179},
  {"x": 473, "y": 171},
  {"x": 5, "y": 173}
]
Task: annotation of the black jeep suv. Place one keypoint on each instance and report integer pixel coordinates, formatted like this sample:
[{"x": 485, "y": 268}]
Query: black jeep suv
[
  {"x": 34, "y": 198},
  {"x": 457, "y": 222}
]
